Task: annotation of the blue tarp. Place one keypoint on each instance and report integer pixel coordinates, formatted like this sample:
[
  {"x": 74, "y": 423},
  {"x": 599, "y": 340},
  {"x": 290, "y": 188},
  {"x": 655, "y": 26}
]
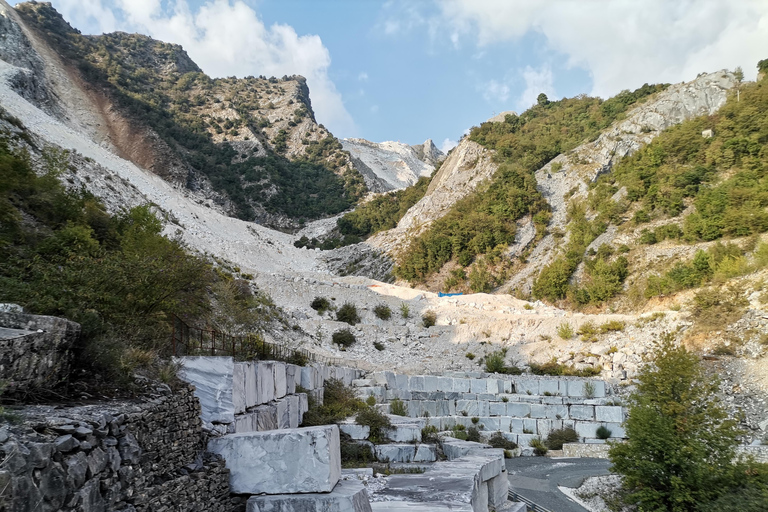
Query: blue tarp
[{"x": 441, "y": 294}]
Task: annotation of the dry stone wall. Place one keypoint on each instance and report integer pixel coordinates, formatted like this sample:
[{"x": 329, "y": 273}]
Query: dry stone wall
[{"x": 125, "y": 457}]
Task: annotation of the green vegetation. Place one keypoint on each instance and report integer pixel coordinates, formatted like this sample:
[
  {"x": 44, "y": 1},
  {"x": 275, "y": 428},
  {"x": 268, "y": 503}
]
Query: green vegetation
[
  {"x": 382, "y": 312},
  {"x": 539, "y": 448},
  {"x": 681, "y": 446},
  {"x": 558, "y": 437},
  {"x": 555, "y": 368},
  {"x": 348, "y": 313},
  {"x": 429, "y": 318},
  {"x": 405, "y": 310},
  {"x": 603, "y": 432},
  {"x": 494, "y": 363},
  {"x": 377, "y": 421},
  {"x": 486, "y": 219},
  {"x": 497, "y": 440},
  {"x": 382, "y": 212},
  {"x": 397, "y": 407},
  {"x": 429, "y": 434},
  {"x": 565, "y": 331},
  {"x": 723, "y": 176},
  {"x": 470, "y": 356},
  {"x": 339, "y": 403},
  {"x": 344, "y": 338},
  {"x": 320, "y": 304},
  {"x": 155, "y": 84}
]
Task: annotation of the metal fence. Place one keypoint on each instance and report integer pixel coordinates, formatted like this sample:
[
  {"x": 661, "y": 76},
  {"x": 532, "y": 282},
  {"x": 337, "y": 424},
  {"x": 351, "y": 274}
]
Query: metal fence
[
  {"x": 529, "y": 505},
  {"x": 196, "y": 341}
]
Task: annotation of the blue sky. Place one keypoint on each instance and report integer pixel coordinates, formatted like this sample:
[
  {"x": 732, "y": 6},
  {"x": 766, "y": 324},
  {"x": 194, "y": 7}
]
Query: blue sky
[{"x": 411, "y": 70}]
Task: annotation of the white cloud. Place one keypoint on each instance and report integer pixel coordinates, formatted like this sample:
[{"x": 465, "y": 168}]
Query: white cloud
[
  {"x": 536, "y": 82},
  {"x": 227, "y": 38},
  {"x": 89, "y": 16},
  {"x": 495, "y": 91},
  {"x": 448, "y": 145},
  {"x": 624, "y": 43},
  {"x": 363, "y": 76}
]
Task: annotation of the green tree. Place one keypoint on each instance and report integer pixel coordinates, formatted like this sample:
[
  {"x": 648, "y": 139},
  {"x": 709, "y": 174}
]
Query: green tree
[{"x": 681, "y": 442}]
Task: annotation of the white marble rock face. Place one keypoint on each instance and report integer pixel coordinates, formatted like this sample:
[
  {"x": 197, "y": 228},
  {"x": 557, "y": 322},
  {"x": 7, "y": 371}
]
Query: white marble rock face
[
  {"x": 347, "y": 496},
  {"x": 302, "y": 460},
  {"x": 213, "y": 381}
]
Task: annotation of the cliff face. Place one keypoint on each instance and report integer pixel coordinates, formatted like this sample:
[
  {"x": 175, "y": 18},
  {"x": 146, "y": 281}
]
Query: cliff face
[
  {"x": 243, "y": 145},
  {"x": 392, "y": 165}
]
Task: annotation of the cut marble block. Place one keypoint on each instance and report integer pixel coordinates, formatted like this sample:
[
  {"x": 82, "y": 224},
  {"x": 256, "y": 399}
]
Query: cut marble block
[
  {"x": 292, "y": 377},
  {"x": 610, "y": 414},
  {"x": 265, "y": 382},
  {"x": 347, "y": 496},
  {"x": 251, "y": 394},
  {"x": 266, "y": 417},
  {"x": 425, "y": 453},
  {"x": 355, "y": 431},
  {"x": 395, "y": 452},
  {"x": 581, "y": 412},
  {"x": 238, "y": 388},
  {"x": 308, "y": 377},
  {"x": 213, "y": 381},
  {"x": 283, "y": 413},
  {"x": 303, "y": 460},
  {"x": 281, "y": 387},
  {"x": 404, "y": 433}
]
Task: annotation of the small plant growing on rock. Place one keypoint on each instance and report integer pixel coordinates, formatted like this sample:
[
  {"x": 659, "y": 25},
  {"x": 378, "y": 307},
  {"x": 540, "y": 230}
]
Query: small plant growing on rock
[
  {"x": 320, "y": 304},
  {"x": 371, "y": 400},
  {"x": 348, "y": 313},
  {"x": 475, "y": 420},
  {"x": 429, "y": 319},
  {"x": 405, "y": 311},
  {"x": 565, "y": 331},
  {"x": 473, "y": 434},
  {"x": 429, "y": 434},
  {"x": 603, "y": 432},
  {"x": 560, "y": 436},
  {"x": 344, "y": 338},
  {"x": 539, "y": 448},
  {"x": 505, "y": 399},
  {"x": 497, "y": 440},
  {"x": 469, "y": 355},
  {"x": 589, "y": 389},
  {"x": 397, "y": 407},
  {"x": 463, "y": 413},
  {"x": 382, "y": 312},
  {"x": 374, "y": 420},
  {"x": 612, "y": 326},
  {"x": 588, "y": 331}
]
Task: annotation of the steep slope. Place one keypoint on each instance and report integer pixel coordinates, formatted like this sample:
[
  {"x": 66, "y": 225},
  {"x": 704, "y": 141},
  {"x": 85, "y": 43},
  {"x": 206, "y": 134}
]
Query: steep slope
[
  {"x": 392, "y": 165},
  {"x": 250, "y": 145}
]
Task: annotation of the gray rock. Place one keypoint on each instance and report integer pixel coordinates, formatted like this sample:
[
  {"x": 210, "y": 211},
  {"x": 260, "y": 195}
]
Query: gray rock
[
  {"x": 213, "y": 381},
  {"x": 77, "y": 468},
  {"x": 288, "y": 461},
  {"x": 611, "y": 414},
  {"x": 129, "y": 448},
  {"x": 66, "y": 443},
  {"x": 347, "y": 496},
  {"x": 53, "y": 485}
]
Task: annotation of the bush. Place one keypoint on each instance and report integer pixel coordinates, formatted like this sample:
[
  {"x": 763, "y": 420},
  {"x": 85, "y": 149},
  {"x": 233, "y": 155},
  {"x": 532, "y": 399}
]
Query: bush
[
  {"x": 560, "y": 436},
  {"x": 612, "y": 326},
  {"x": 554, "y": 368},
  {"x": 339, "y": 403},
  {"x": 539, "y": 448},
  {"x": 565, "y": 331},
  {"x": 588, "y": 331},
  {"x": 348, "y": 313},
  {"x": 320, "y": 304},
  {"x": 354, "y": 454},
  {"x": 377, "y": 421},
  {"x": 470, "y": 356},
  {"x": 429, "y": 319},
  {"x": 344, "y": 338},
  {"x": 382, "y": 312},
  {"x": 603, "y": 432},
  {"x": 473, "y": 434},
  {"x": 494, "y": 362},
  {"x": 497, "y": 440},
  {"x": 397, "y": 407},
  {"x": 405, "y": 311},
  {"x": 429, "y": 434}
]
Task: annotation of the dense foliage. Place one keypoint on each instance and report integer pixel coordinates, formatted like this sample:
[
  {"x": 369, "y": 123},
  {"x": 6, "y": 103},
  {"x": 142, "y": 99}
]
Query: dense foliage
[
  {"x": 156, "y": 84},
  {"x": 486, "y": 219},
  {"x": 681, "y": 446},
  {"x": 62, "y": 254},
  {"x": 725, "y": 177}
]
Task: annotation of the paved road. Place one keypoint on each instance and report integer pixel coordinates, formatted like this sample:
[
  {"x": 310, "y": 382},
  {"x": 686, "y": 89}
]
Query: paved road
[{"x": 537, "y": 479}]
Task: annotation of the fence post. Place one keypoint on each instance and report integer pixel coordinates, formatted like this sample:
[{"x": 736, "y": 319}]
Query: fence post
[{"x": 173, "y": 335}]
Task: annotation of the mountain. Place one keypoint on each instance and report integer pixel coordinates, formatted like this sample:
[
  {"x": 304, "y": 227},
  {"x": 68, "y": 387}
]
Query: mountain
[
  {"x": 250, "y": 146},
  {"x": 392, "y": 165}
]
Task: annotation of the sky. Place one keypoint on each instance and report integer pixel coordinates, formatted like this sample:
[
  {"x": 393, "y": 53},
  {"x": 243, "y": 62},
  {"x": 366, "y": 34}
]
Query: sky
[{"x": 409, "y": 70}]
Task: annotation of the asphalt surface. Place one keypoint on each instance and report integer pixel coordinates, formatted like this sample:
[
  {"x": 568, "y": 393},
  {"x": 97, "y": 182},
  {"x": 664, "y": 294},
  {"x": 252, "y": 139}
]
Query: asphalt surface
[{"x": 537, "y": 479}]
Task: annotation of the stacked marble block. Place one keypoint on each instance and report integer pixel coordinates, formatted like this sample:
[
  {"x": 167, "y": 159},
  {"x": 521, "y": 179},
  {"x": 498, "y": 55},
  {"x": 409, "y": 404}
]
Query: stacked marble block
[
  {"x": 255, "y": 396},
  {"x": 473, "y": 479},
  {"x": 521, "y": 407},
  {"x": 294, "y": 469},
  {"x": 405, "y": 437}
]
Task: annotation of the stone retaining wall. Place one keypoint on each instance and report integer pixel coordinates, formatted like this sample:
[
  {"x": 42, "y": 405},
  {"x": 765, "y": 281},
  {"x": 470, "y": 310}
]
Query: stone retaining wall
[
  {"x": 35, "y": 350},
  {"x": 127, "y": 457}
]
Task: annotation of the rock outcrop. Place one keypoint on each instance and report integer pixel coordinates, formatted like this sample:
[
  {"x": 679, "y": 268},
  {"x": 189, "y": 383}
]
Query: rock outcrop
[{"x": 392, "y": 165}]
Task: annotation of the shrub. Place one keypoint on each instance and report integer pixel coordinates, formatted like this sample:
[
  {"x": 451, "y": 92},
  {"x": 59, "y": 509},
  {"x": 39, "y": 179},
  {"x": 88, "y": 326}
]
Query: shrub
[
  {"x": 354, "y": 454},
  {"x": 497, "y": 440},
  {"x": 473, "y": 434},
  {"x": 383, "y": 312},
  {"x": 603, "y": 432},
  {"x": 539, "y": 448},
  {"x": 494, "y": 362},
  {"x": 560, "y": 436},
  {"x": 348, "y": 313},
  {"x": 405, "y": 311},
  {"x": 565, "y": 331},
  {"x": 320, "y": 304},
  {"x": 429, "y": 434},
  {"x": 612, "y": 326},
  {"x": 378, "y": 345},
  {"x": 554, "y": 368},
  {"x": 371, "y": 400},
  {"x": 377, "y": 421},
  {"x": 475, "y": 420},
  {"x": 339, "y": 402},
  {"x": 588, "y": 331},
  {"x": 397, "y": 407},
  {"x": 469, "y": 355},
  {"x": 589, "y": 389},
  {"x": 344, "y": 338},
  {"x": 429, "y": 318}
]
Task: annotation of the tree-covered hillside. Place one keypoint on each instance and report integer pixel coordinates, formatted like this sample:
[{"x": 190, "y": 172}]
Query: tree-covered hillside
[{"x": 216, "y": 127}]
